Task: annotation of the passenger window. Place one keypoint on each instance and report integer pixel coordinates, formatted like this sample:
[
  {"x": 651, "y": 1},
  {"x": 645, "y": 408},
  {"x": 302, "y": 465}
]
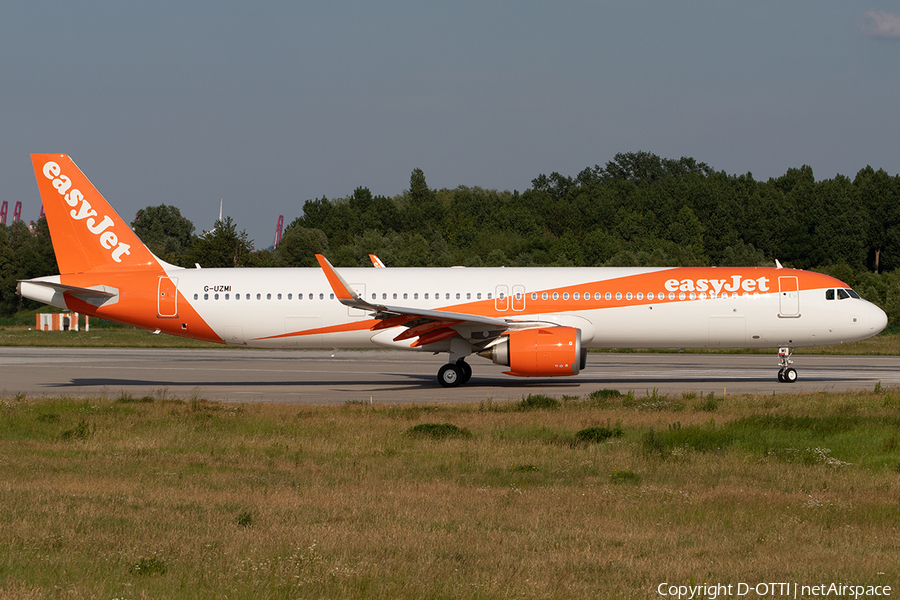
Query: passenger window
[
  {"x": 576, "y": 296},
  {"x": 416, "y": 296},
  {"x": 405, "y": 295},
  {"x": 258, "y": 296},
  {"x": 268, "y": 296},
  {"x": 544, "y": 296},
  {"x": 426, "y": 295},
  {"x": 478, "y": 296},
  {"x": 597, "y": 296},
  {"x": 565, "y": 295},
  {"x": 829, "y": 294},
  {"x": 237, "y": 296},
  {"x": 331, "y": 296},
  {"x": 649, "y": 295},
  {"x": 628, "y": 296},
  {"x": 556, "y": 295},
  {"x": 196, "y": 296},
  {"x": 206, "y": 296},
  {"x": 842, "y": 294},
  {"x": 469, "y": 295},
  {"x": 618, "y": 295},
  {"x": 608, "y": 296},
  {"x": 310, "y": 296},
  {"x": 395, "y": 295},
  {"x": 489, "y": 296},
  {"x": 321, "y": 296},
  {"x": 227, "y": 296},
  {"x": 457, "y": 295},
  {"x": 247, "y": 297},
  {"x": 216, "y": 297},
  {"x": 640, "y": 295}
]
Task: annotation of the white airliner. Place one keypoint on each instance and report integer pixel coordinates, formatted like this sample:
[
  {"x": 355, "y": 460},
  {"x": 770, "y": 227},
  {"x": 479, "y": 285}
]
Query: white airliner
[{"x": 537, "y": 321}]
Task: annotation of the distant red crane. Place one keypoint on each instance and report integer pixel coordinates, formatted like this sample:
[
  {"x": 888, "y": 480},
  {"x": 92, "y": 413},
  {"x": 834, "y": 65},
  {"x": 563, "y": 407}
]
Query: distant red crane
[
  {"x": 17, "y": 213},
  {"x": 278, "y": 227},
  {"x": 3, "y": 210}
]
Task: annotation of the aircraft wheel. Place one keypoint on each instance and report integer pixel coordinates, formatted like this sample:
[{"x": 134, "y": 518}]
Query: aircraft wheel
[
  {"x": 466, "y": 370},
  {"x": 450, "y": 375},
  {"x": 780, "y": 375},
  {"x": 790, "y": 375}
]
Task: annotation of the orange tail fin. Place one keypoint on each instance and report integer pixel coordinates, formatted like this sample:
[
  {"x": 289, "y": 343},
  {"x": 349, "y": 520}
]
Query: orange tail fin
[{"x": 86, "y": 232}]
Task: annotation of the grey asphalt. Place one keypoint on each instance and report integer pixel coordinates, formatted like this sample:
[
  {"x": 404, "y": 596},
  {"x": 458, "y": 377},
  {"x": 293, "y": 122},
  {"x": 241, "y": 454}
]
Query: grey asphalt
[{"x": 335, "y": 377}]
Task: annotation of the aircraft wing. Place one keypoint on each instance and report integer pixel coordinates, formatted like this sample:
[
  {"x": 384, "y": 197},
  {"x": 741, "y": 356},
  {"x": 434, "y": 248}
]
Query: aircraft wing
[{"x": 428, "y": 325}]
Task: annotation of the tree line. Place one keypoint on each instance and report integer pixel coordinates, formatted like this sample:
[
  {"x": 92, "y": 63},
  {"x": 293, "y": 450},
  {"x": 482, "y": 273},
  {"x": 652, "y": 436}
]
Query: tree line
[{"x": 636, "y": 210}]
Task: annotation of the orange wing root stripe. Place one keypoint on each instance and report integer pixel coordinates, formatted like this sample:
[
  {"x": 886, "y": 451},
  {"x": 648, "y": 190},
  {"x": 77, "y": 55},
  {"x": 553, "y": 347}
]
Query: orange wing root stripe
[
  {"x": 434, "y": 336},
  {"x": 392, "y": 322},
  {"x": 423, "y": 329}
]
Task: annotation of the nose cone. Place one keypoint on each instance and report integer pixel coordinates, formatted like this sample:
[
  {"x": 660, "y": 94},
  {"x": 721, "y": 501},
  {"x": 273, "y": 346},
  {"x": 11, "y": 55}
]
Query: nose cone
[{"x": 877, "y": 319}]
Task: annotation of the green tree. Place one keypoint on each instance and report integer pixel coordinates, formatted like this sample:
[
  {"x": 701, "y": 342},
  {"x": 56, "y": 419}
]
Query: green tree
[
  {"x": 224, "y": 246},
  {"x": 164, "y": 230},
  {"x": 24, "y": 254},
  {"x": 299, "y": 246},
  {"x": 421, "y": 209}
]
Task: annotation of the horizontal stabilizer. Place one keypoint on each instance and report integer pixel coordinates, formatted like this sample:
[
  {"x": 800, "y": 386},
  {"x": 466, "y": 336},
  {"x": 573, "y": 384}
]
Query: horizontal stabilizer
[{"x": 50, "y": 291}]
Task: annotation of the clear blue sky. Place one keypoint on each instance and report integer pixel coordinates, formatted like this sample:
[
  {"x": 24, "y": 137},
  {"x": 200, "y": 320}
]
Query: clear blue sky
[{"x": 270, "y": 104}]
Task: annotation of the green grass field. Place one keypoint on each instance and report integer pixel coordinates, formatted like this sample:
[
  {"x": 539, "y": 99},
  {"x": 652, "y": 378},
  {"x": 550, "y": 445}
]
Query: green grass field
[{"x": 599, "y": 497}]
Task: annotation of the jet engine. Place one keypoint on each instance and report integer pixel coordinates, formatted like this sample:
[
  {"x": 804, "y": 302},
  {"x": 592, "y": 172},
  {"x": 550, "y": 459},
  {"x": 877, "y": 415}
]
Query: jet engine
[{"x": 539, "y": 352}]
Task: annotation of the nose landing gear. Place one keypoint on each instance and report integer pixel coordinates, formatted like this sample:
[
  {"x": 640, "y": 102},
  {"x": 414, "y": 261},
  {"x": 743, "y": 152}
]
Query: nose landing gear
[{"x": 786, "y": 374}]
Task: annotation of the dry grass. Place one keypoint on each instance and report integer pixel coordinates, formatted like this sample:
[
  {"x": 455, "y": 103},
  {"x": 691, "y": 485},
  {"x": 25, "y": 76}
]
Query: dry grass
[{"x": 191, "y": 499}]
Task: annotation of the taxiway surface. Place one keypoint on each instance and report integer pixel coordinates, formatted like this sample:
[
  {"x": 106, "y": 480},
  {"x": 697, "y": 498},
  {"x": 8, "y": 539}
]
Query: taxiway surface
[{"x": 334, "y": 377}]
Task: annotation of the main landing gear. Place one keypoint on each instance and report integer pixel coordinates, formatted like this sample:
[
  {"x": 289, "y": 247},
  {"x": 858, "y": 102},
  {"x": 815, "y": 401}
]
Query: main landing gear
[
  {"x": 454, "y": 374},
  {"x": 786, "y": 374}
]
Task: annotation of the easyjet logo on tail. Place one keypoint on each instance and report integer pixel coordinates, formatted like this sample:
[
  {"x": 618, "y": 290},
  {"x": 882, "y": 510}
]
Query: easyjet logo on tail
[{"x": 82, "y": 211}]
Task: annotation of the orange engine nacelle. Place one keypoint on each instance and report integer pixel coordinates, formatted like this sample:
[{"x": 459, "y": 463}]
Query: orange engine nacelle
[{"x": 540, "y": 352}]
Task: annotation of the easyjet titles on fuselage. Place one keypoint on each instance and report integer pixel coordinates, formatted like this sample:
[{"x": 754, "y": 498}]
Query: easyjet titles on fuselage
[
  {"x": 737, "y": 283},
  {"x": 107, "y": 238}
]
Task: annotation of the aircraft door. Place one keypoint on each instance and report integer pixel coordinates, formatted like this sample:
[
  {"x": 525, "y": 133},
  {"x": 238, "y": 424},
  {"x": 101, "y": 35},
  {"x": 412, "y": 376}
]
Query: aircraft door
[
  {"x": 167, "y": 298},
  {"x": 501, "y": 299},
  {"x": 518, "y": 297},
  {"x": 788, "y": 297}
]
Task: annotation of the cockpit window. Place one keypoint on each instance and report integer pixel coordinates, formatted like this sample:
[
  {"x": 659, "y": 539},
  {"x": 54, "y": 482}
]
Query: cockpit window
[
  {"x": 853, "y": 294},
  {"x": 842, "y": 294},
  {"x": 829, "y": 294}
]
